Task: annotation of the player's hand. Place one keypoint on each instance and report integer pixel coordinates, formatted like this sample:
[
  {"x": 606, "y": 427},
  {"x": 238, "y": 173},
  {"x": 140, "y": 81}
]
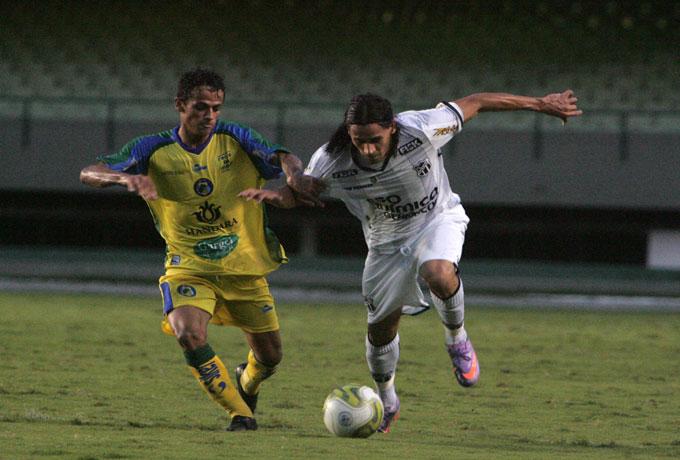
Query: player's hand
[
  {"x": 141, "y": 185},
  {"x": 273, "y": 197},
  {"x": 307, "y": 189},
  {"x": 560, "y": 105},
  {"x": 256, "y": 194}
]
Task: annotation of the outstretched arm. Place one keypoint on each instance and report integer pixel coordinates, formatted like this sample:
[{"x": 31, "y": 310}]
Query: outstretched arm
[
  {"x": 560, "y": 105},
  {"x": 282, "y": 197},
  {"x": 307, "y": 188},
  {"x": 100, "y": 175}
]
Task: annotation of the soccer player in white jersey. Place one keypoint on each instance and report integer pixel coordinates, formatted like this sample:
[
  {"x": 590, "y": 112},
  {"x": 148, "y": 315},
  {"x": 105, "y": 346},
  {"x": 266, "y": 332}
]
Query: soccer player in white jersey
[{"x": 389, "y": 172}]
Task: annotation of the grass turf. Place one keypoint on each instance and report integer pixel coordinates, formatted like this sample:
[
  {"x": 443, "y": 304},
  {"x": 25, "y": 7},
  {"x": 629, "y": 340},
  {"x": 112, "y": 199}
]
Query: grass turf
[{"x": 93, "y": 377}]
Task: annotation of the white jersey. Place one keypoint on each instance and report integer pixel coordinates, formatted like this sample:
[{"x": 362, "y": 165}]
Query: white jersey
[{"x": 397, "y": 199}]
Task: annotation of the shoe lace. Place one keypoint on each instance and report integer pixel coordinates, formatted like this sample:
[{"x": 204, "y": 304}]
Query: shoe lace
[{"x": 460, "y": 353}]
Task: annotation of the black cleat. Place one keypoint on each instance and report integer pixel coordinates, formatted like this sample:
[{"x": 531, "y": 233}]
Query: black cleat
[
  {"x": 242, "y": 423},
  {"x": 250, "y": 400}
]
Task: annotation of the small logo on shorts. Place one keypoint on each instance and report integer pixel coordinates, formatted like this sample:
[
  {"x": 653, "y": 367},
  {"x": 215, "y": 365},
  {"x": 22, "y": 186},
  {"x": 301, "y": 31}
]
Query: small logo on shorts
[
  {"x": 267, "y": 308},
  {"x": 368, "y": 301},
  {"x": 186, "y": 290}
]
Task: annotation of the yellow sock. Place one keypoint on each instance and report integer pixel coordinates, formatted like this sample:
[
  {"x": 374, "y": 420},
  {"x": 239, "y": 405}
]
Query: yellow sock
[
  {"x": 213, "y": 376},
  {"x": 254, "y": 374}
]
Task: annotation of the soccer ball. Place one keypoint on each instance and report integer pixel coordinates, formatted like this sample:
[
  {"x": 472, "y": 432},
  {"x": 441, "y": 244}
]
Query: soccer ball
[{"x": 353, "y": 411}]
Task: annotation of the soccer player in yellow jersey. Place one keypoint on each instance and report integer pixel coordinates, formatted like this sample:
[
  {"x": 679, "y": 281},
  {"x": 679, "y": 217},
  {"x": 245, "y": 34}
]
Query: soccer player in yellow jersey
[{"x": 219, "y": 247}]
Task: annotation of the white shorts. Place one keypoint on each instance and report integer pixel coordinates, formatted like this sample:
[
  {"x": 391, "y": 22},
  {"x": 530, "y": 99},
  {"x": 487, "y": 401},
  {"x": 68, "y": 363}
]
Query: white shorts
[{"x": 390, "y": 281}]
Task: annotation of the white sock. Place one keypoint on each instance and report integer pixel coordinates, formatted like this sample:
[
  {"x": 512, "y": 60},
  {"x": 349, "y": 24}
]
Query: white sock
[
  {"x": 457, "y": 335},
  {"x": 387, "y": 393},
  {"x": 382, "y": 362},
  {"x": 451, "y": 310}
]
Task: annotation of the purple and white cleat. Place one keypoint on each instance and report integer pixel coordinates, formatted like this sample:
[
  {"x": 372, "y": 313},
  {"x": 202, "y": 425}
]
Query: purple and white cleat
[
  {"x": 390, "y": 415},
  {"x": 465, "y": 364}
]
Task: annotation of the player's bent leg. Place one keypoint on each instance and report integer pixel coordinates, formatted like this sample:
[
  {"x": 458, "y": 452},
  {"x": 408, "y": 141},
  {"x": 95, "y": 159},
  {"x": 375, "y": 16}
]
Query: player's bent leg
[
  {"x": 266, "y": 346},
  {"x": 448, "y": 298},
  {"x": 190, "y": 326},
  {"x": 440, "y": 276},
  {"x": 263, "y": 360},
  {"x": 382, "y": 356}
]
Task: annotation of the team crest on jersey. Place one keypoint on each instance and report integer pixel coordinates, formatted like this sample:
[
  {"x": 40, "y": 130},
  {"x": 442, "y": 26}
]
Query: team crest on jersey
[
  {"x": 422, "y": 168},
  {"x": 346, "y": 173},
  {"x": 409, "y": 146},
  {"x": 208, "y": 213},
  {"x": 203, "y": 187},
  {"x": 225, "y": 161}
]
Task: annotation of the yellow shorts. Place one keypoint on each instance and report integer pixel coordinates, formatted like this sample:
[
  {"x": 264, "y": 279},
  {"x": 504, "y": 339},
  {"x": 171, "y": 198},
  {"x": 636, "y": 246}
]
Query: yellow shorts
[{"x": 242, "y": 301}]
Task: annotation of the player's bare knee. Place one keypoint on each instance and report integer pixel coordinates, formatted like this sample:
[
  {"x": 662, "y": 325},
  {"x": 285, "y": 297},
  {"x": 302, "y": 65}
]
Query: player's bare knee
[
  {"x": 191, "y": 338},
  {"x": 443, "y": 283}
]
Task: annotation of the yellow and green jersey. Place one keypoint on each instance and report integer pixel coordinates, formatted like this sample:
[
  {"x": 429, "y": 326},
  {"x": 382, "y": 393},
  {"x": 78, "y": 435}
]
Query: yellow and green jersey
[{"x": 207, "y": 227}]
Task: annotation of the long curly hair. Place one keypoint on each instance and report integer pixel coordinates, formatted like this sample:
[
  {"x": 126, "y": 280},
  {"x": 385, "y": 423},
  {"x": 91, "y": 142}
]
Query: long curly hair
[
  {"x": 363, "y": 109},
  {"x": 196, "y": 78}
]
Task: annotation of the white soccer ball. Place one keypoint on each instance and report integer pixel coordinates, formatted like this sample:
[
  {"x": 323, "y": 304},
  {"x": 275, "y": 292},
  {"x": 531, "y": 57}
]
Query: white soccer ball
[{"x": 353, "y": 411}]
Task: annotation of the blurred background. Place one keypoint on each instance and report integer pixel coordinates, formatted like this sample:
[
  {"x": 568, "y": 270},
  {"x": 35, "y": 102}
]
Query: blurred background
[{"x": 80, "y": 79}]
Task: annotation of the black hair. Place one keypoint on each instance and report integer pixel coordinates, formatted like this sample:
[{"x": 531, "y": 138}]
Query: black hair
[
  {"x": 196, "y": 78},
  {"x": 363, "y": 109}
]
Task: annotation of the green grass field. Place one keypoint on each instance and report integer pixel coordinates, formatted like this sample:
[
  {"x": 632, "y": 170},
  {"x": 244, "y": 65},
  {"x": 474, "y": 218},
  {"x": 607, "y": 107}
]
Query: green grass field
[{"x": 93, "y": 377}]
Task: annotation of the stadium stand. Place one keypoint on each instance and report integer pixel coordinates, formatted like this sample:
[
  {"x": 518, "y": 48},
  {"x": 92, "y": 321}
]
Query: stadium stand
[
  {"x": 616, "y": 57},
  {"x": 95, "y": 74}
]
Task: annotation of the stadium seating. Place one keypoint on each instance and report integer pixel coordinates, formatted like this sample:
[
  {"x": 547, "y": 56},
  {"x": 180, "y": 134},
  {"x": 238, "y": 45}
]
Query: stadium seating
[
  {"x": 413, "y": 55},
  {"x": 82, "y": 78}
]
